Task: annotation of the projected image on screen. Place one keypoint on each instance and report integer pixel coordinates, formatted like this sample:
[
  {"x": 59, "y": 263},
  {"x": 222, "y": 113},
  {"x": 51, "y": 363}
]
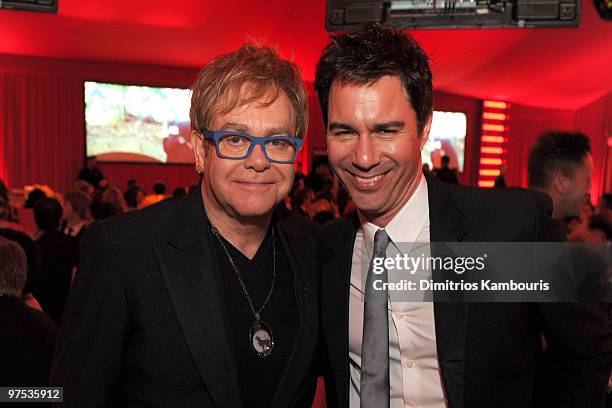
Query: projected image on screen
[
  {"x": 446, "y": 138},
  {"x": 137, "y": 123}
]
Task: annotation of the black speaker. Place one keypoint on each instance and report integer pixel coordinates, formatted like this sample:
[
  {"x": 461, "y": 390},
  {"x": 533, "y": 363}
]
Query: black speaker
[{"x": 47, "y": 6}]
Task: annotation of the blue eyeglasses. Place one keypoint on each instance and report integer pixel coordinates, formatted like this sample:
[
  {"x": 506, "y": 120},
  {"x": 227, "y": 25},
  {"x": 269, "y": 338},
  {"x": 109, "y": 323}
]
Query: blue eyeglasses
[{"x": 237, "y": 146}]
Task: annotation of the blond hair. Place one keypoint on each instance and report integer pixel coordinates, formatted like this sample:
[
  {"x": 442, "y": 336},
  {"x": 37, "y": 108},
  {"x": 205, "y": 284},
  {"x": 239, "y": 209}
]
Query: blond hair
[
  {"x": 245, "y": 76},
  {"x": 13, "y": 268}
]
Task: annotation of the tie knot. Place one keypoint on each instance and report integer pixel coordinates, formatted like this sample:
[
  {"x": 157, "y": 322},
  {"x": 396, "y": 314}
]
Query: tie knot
[{"x": 381, "y": 241}]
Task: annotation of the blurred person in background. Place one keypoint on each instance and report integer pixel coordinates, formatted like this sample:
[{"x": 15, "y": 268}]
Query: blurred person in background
[
  {"x": 560, "y": 165},
  {"x": 60, "y": 258},
  {"x": 134, "y": 197},
  {"x": 5, "y": 200},
  {"x": 114, "y": 197},
  {"x": 605, "y": 207},
  {"x": 27, "y": 336},
  {"x": 33, "y": 198},
  {"x": 587, "y": 210},
  {"x": 500, "y": 181},
  {"x": 159, "y": 194},
  {"x": 445, "y": 173},
  {"x": 179, "y": 192},
  {"x": 91, "y": 173},
  {"x": 20, "y": 235},
  {"x": 319, "y": 174},
  {"x": 76, "y": 215},
  {"x": 84, "y": 186},
  {"x": 302, "y": 202}
]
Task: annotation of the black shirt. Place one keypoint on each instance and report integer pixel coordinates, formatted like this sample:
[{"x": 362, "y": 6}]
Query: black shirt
[{"x": 259, "y": 377}]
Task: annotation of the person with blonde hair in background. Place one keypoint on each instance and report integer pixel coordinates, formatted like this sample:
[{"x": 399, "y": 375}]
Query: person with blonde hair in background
[{"x": 76, "y": 215}]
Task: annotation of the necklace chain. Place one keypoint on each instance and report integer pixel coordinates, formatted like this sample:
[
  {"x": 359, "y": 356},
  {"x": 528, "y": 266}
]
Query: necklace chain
[{"x": 256, "y": 313}]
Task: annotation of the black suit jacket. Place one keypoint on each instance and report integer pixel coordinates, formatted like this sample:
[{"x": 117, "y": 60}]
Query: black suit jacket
[
  {"x": 490, "y": 354},
  {"x": 146, "y": 324}
]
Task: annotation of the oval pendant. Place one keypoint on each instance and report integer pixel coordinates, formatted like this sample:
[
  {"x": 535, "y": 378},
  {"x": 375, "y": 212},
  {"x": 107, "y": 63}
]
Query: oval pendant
[{"x": 261, "y": 339}]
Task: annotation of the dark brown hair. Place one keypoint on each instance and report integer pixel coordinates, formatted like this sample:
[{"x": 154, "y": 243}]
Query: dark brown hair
[
  {"x": 553, "y": 152},
  {"x": 365, "y": 55}
]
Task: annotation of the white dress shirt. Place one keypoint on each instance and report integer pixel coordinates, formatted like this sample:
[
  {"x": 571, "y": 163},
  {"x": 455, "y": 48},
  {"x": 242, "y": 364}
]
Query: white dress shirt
[{"x": 414, "y": 370}]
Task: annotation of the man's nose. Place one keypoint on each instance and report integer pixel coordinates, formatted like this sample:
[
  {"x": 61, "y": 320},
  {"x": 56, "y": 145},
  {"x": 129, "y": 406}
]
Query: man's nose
[
  {"x": 257, "y": 160},
  {"x": 366, "y": 153}
]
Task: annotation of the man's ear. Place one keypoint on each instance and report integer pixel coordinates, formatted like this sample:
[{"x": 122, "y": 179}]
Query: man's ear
[
  {"x": 559, "y": 182},
  {"x": 200, "y": 149},
  {"x": 425, "y": 133}
]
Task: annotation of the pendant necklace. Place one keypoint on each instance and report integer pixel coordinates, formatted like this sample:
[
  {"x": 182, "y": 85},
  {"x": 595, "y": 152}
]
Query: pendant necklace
[{"x": 260, "y": 335}]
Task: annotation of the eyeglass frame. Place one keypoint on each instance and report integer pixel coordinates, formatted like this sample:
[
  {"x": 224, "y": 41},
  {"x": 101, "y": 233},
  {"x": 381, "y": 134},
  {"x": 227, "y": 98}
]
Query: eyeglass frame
[{"x": 255, "y": 141}]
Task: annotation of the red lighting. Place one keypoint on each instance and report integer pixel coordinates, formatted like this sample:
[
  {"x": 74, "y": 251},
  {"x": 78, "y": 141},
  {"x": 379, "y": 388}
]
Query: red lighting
[
  {"x": 492, "y": 150},
  {"x": 491, "y": 161},
  {"x": 494, "y": 116},
  {"x": 486, "y": 183},
  {"x": 493, "y": 139},
  {"x": 495, "y": 104},
  {"x": 490, "y": 172},
  {"x": 493, "y": 128}
]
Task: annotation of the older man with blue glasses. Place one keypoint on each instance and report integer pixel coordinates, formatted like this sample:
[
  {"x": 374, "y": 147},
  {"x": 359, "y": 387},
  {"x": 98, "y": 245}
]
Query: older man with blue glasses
[{"x": 208, "y": 301}]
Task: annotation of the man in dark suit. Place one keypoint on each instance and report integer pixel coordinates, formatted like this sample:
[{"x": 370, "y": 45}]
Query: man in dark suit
[
  {"x": 91, "y": 173},
  {"x": 210, "y": 300},
  {"x": 375, "y": 90}
]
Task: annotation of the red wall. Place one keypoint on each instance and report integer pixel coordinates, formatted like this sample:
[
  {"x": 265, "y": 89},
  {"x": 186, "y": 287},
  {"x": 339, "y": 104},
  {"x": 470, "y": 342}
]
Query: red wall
[{"x": 595, "y": 120}]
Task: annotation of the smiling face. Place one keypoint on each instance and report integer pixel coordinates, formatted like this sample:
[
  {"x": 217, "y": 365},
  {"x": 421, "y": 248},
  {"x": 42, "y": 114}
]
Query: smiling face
[
  {"x": 373, "y": 145},
  {"x": 251, "y": 187}
]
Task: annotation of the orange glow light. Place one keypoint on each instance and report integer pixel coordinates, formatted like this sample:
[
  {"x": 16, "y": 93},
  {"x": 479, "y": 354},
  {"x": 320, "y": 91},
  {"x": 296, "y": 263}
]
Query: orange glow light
[
  {"x": 490, "y": 161},
  {"x": 492, "y": 150},
  {"x": 494, "y": 128},
  {"x": 486, "y": 183},
  {"x": 494, "y": 116},
  {"x": 493, "y": 139},
  {"x": 495, "y": 104},
  {"x": 490, "y": 172}
]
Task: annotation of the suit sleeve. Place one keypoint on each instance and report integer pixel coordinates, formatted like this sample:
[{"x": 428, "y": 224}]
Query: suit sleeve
[
  {"x": 87, "y": 362},
  {"x": 578, "y": 356}
]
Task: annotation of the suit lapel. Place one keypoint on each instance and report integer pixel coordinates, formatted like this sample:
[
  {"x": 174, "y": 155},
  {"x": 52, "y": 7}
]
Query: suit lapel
[
  {"x": 448, "y": 224},
  {"x": 299, "y": 249},
  {"x": 189, "y": 270},
  {"x": 335, "y": 292}
]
